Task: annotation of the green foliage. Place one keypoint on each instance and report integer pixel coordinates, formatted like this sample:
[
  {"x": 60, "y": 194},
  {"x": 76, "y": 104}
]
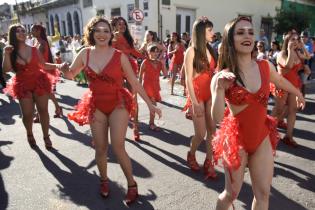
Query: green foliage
[{"x": 291, "y": 18}]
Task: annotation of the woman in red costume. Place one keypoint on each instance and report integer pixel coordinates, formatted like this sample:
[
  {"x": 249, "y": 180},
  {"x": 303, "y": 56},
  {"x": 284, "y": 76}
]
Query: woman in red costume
[
  {"x": 200, "y": 62},
  {"x": 31, "y": 84},
  {"x": 288, "y": 64},
  {"x": 247, "y": 136},
  {"x": 150, "y": 72},
  {"x": 39, "y": 32},
  {"x": 124, "y": 42},
  {"x": 106, "y": 106},
  {"x": 177, "y": 58}
]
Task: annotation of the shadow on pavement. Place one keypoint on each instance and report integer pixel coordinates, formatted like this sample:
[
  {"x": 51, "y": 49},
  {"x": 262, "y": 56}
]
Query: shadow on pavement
[
  {"x": 137, "y": 169},
  {"x": 300, "y": 151},
  {"x": 286, "y": 170},
  {"x": 74, "y": 134},
  {"x": 10, "y": 109},
  {"x": 5, "y": 162},
  {"x": 171, "y": 105},
  {"x": 81, "y": 187}
]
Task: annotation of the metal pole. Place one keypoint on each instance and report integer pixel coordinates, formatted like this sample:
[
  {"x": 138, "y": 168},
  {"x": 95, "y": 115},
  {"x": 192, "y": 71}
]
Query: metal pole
[{"x": 17, "y": 10}]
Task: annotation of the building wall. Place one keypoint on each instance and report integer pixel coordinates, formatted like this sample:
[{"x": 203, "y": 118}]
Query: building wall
[
  {"x": 219, "y": 13},
  {"x": 62, "y": 12}
]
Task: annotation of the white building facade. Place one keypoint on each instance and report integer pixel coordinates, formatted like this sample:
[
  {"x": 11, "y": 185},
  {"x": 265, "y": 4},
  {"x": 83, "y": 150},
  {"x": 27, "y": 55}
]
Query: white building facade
[
  {"x": 162, "y": 16},
  {"x": 167, "y": 16}
]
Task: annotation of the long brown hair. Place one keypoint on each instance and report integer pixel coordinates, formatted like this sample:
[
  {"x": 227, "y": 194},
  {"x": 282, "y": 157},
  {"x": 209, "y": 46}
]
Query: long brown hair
[
  {"x": 227, "y": 59},
  {"x": 43, "y": 36},
  {"x": 114, "y": 21},
  {"x": 286, "y": 40},
  {"x": 89, "y": 30},
  {"x": 14, "y": 42},
  {"x": 198, "y": 39}
]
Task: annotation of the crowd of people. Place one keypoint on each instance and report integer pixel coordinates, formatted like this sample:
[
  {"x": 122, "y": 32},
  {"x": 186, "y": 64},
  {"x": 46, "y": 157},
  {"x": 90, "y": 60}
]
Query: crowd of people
[{"x": 228, "y": 80}]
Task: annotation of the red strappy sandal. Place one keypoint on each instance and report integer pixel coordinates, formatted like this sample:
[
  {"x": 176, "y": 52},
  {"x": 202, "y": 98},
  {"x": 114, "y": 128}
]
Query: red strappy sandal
[
  {"x": 132, "y": 194},
  {"x": 48, "y": 143},
  {"x": 282, "y": 125},
  {"x": 208, "y": 169},
  {"x": 58, "y": 112},
  {"x": 136, "y": 135},
  {"x": 289, "y": 141},
  {"x": 31, "y": 141},
  {"x": 36, "y": 118},
  {"x": 104, "y": 188},
  {"x": 192, "y": 163}
]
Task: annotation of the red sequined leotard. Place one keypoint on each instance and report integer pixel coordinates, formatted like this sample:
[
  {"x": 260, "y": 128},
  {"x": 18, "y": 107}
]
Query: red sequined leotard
[
  {"x": 151, "y": 79},
  {"x": 105, "y": 93},
  {"x": 178, "y": 56},
  {"x": 29, "y": 79},
  {"x": 54, "y": 74},
  {"x": 120, "y": 43},
  {"x": 201, "y": 85},
  {"x": 292, "y": 76},
  {"x": 247, "y": 129}
]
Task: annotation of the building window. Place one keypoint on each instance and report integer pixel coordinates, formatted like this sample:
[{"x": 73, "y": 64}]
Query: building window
[
  {"x": 146, "y": 28},
  {"x": 187, "y": 24},
  {"x": 47, "y": 28},
  {"x": 87, "y": 3},
  {"x": 145, "y": 5},
  {"x": 145, "y": 14},
  {"x": 178, "y": 23},
  {"x": 64, "y": 30},
  {"x": 115, "y": 12},
  {"x": 100, "y": 12},
  {"x": 130, "y": 8},
  {"x": 76, "y": 22},
  {"x": 166, "y": 2}
]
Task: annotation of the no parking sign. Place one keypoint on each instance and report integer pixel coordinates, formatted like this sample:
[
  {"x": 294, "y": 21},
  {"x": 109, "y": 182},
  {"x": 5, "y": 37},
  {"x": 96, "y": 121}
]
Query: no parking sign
[{"x": 137, "y": 15}]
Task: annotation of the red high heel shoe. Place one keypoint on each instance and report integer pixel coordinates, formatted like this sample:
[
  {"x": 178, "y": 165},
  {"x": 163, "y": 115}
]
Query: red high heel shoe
[
  {"x": 36, "y": 118},
  {"x": 282, "y": 124},
  {"x": 132, "y": 194},
  {"x": 136, "y": 135},
  {"x": 48, "y": 143},
  {"x": 31, "y": 141},
  {"x": 208, "y": 169},
  {"x": 289, "y": 141},
  {"x": 192, "y": 163},
  {"x": 104, "y": 190},
  {"x": 58, "y": 112}
]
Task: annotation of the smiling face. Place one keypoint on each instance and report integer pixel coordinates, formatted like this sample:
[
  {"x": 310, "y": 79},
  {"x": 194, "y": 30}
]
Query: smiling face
[
  {"x": 35, "y": 32},
  {"x": 294, "y": 39},
  {"x": 102, "y": 34},
  {"x": 20, "y": 34},
  {"x": 153, "y": 53},
  {"x": 148, "y": 36},
  {"x": 121, "y": 26},
  {"x": 244, "y": 37}
]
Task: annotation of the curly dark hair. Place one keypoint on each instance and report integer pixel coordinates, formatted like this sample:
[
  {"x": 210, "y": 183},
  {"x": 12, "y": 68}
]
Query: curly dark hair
[{"x": 89, "y": 30}]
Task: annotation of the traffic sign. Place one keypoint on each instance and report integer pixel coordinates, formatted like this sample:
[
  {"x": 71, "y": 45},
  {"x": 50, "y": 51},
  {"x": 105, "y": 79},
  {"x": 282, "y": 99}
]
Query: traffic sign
[{"x": 137, "y": 15}]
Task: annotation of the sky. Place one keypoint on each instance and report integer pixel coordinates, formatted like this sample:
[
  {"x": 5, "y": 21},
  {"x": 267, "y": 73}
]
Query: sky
[{"x": 10, "y": 1}]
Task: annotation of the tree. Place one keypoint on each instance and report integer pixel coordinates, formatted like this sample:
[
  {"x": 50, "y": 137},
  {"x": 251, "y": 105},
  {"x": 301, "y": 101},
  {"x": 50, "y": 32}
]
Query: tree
[{"x": 290, "y": 18}]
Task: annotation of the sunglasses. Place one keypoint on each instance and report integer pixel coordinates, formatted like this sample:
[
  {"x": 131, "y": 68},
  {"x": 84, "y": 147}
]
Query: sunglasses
[{"x": 259, "y": 46}]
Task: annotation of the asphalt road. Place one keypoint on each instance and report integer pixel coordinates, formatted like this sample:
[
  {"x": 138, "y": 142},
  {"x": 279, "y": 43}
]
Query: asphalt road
[{"x": 67, "y": 177}]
